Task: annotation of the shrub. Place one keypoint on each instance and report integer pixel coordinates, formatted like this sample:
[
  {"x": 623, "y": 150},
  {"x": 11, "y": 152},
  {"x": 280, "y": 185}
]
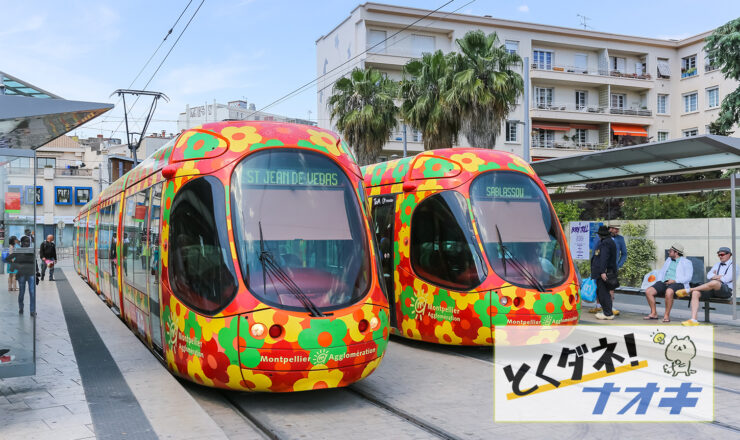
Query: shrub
[{"x": 640, "y": 254}]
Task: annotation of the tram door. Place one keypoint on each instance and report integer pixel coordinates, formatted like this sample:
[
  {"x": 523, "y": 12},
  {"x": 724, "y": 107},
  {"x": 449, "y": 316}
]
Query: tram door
[
  {"x": 384, "y": 215},
  {"x": 153, "y": 272}
]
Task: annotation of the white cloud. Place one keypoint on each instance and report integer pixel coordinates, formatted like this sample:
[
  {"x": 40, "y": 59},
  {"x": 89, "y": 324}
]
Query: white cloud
[{"x": 523, "y": 8}]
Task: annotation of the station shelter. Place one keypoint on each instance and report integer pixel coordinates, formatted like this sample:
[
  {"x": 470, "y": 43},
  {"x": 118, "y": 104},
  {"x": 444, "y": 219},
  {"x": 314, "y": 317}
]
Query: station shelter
[
  {"x": 29, "y": 118},
  {"x": 648, "y": 171}
]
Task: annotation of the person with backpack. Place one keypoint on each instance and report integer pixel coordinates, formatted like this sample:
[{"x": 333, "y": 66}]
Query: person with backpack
[
  {"x": 12, "y": 282},
  {"x": 24, "y": 261},
  {"x": 48, "y": 255}
]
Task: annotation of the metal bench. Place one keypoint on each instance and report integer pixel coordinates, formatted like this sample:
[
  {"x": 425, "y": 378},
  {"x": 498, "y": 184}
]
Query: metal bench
[{"x": 706, "y": 307}]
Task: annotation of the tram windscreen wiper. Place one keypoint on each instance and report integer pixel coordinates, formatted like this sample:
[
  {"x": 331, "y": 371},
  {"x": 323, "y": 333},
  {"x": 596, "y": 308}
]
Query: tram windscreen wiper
[
  {"x": 517, "y": 265},
  {"x": 272, "y": 268}
]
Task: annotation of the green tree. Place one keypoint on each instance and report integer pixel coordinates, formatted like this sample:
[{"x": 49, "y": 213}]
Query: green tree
[
  {"x": 640, "y": 255},
  {"x": 567, "y": 211},
  {"x": 362, "y": 104},
  {"x": 723, "y": 49},
  {"x": 424, "y": 106},
  {"x": 485, "y": 86}
]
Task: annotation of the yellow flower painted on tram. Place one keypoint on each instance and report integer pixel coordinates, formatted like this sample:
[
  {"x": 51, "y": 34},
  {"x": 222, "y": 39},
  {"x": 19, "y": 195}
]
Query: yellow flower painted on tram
[
  {"x": 178, "y": 312},
  {"x": 187, "y": 168},
  {"x": 445, "y": 334},
  {"x": 240, "y": 138},
  {"x": 500, "y": 335},
  {"x": 463, "y": 300},
  {"x": 485, "y": 336},
  {"x": 366, "y": 312},
  {"x": 409, "y": 329},
  {"x": 370, "y": 367},
  {"x": 424, "y": 291},
  {"x": 195, "y": 371},
  {"x": 543, "y": 336},
  {"x": 252, "y": 381},
  {"x": 318, "y": 379},
  {"x": 429, "y": 185},
  {"x": 209, "y": 327},
  {"x": 325, "y": 140},
  {"x": 404, "y": 240},
  {"x": 469, "y": 161}
]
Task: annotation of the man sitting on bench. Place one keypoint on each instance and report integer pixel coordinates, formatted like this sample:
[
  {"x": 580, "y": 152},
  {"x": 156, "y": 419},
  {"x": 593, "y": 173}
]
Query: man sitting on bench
[
  {"x": 718, "y": 286},
  {"x": 675, "y": 274}
]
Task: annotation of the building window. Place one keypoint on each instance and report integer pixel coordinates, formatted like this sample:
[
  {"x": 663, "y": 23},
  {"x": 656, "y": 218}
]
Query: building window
[
  {"x": 581, "y": 99},
  {"x": 690, "y": 132},
  {"x": 82, "y": 195},
  {"x": 46, "y": 162},
  {"x": 580, "y": 61},
  {"x": 62, "y": 195},
  {"x": 543, "y": 97},
  {"x": 32, "y": 195},
  {"x": 542, "y": 60},
  {"x": 544, "y": 139},
  {"x": 511, "y": 131},
  {"x": 713, "y": 97},
  {"x": 690, "y": 102},
  {"x": 663, "y": 104},
  {"x": 580, "y": 137},
  {"x": 664, "y": 70},
  {"x": 662, "y": 136},
  {"x": 710, "y": 64},
  {"x": 688, "y": 66},
  {"x": 376, "y": 41},
  {"x": 617, "y": 64},
  {"x": 512, "y": 47},
  {"x": 422, "y": 44},
  {"x": 618, "y": 100}
]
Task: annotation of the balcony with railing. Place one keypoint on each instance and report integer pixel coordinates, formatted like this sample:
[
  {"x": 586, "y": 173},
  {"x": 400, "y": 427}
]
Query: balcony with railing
[
  {"x": 572, "y": 107},
  {"x": 576, "y": 146},
  {"x": 585, "y": 71}
]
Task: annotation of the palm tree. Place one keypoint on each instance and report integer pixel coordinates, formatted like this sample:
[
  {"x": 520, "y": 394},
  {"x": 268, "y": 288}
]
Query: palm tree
[
  {"x": 362, "y": 104},
  {"x": 424, "y": 107},
  {"x": 484, "y": 88}
]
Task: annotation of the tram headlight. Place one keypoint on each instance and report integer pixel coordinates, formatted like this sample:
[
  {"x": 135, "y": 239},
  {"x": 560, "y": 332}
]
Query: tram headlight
[
  {"x": 374, "y": 323},
  {"x": 257, "y": 330}
]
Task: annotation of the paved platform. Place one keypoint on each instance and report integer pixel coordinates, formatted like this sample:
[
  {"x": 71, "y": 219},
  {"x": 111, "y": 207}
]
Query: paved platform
[{"x": 95, "y": 379}]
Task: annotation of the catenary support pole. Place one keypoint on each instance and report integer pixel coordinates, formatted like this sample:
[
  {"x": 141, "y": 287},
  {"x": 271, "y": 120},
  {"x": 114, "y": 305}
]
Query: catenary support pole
[{"x": 525, "y": 137}]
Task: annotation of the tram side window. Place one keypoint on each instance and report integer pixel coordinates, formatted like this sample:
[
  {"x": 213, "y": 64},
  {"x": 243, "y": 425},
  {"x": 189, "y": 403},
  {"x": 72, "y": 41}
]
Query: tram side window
[
  {"x": 443, "y": 248},
  {"x": 135, "y": 239},
  {"x": 201, "y": 270},
  {"x": 91, "y": 237},
  {"x": 154, "y": 216}
]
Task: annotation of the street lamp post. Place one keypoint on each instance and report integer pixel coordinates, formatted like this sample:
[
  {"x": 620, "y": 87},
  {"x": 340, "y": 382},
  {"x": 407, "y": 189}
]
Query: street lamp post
[{"x": 525, "y": 137}]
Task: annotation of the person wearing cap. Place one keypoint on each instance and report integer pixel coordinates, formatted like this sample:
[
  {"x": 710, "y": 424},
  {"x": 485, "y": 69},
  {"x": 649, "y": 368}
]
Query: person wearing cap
[
  {"x": 718, "y": 286},
  {"x": 604, "y": 260},
  {"x": 675, "y": 275}
]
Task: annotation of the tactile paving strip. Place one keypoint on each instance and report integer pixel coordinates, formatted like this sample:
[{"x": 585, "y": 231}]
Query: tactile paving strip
[{"x": 115, "y": 412}]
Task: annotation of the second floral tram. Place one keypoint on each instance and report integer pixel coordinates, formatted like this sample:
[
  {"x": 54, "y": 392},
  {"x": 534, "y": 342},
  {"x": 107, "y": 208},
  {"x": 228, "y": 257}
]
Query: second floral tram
[
  {"x": 470, "y": 246},
  {"x": 241, "y": 254}
]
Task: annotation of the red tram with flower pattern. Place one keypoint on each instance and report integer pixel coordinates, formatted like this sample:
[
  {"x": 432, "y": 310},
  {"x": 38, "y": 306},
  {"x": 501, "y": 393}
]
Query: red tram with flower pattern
[
  {"x": 470, "y": 244},
  {"x": 241, "y": 254}
]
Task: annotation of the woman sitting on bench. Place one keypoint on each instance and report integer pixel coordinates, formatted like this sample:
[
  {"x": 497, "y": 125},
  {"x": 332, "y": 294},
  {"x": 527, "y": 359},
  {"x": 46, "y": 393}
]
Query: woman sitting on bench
[{"x": 718, "y": 286}]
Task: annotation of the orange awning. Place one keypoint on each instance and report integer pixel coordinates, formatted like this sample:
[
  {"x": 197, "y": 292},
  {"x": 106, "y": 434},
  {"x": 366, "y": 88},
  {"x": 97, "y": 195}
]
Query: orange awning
[
  {"x": 546, "y": 126},
  {"x": 629, "y": 130}
]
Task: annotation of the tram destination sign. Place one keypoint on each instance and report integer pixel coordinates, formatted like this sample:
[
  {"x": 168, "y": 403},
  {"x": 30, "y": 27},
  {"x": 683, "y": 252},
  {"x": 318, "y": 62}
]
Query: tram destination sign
[{"x": 293, "y": 177}]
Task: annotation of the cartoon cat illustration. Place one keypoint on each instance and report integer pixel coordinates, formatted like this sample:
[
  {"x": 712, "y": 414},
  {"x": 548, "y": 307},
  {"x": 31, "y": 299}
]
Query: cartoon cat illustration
[{"x": 680, "y": 351}]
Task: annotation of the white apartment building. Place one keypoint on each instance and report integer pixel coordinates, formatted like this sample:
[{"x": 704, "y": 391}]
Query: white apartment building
[
  {"x": 233, "y": 110},
  {"x": 588, "y": 90}
]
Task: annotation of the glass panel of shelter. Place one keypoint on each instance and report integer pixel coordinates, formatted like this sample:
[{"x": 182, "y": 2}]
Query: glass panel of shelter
[{"x": 17, "y": 219}]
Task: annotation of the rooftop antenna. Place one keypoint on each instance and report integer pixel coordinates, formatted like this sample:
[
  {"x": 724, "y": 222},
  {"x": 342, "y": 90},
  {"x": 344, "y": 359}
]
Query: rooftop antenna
[{"x": 584, "y": 21}]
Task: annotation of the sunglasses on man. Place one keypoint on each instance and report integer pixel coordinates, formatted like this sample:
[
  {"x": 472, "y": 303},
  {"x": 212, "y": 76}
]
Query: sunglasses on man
[{"x": 721, "y": 254}]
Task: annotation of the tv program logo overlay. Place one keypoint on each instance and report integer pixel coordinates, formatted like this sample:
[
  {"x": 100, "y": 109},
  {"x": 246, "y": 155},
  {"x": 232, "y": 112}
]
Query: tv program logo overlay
[{"x": 607, "y": 373}]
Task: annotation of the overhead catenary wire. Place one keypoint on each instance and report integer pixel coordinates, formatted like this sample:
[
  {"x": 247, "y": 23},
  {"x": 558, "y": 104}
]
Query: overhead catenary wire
[
  {"x": 169, "y": 32},
  {"x": 165, "y": 57}
]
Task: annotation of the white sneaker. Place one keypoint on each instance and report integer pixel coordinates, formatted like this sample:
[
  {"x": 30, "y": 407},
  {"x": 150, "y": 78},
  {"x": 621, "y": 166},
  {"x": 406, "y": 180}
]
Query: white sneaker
[{"x": 603, "y": 316}]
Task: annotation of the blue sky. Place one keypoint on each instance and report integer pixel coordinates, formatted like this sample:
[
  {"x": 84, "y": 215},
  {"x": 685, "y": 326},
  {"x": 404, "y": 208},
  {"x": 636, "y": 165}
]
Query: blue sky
[{"x": 254, "y": 49}]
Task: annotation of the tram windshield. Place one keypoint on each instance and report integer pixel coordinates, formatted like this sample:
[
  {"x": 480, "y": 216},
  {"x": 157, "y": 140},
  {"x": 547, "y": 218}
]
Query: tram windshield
[
  {"x": 299, "y": 231},
  {"x": 519, "y": 229}
]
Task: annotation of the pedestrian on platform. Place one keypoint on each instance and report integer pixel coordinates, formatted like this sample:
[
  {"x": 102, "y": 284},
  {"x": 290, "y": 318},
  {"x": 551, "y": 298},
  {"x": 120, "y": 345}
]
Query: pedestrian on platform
[
  {"x": 48, "y": 255},
  {"x": 24, "y": 261},
  {"x": 12, "y": 272},
  {"x": 621, "y": 259},
  {"x": 603, "y": 262},
  {"x": 675, "y": 275},
  {"x": 718, "y": 286}
]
